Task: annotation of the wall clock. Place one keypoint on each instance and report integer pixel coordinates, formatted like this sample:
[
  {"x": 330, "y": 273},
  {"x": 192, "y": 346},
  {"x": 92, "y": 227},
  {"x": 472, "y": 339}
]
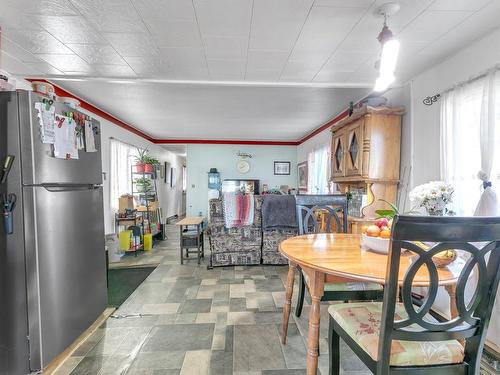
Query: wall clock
[{"x": 243, "y": 166}]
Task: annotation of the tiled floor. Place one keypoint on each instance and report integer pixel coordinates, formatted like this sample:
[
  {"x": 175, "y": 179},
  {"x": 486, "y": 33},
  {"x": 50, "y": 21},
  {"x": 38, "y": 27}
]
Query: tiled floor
[{"x": 188, "y": 320}]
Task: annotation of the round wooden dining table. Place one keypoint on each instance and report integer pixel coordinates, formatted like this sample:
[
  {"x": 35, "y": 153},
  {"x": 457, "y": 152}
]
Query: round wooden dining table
[{"x": 322, "y": 256}]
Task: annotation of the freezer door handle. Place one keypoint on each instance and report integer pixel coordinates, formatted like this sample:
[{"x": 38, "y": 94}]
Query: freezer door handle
[{"x": 55, "y": 188}]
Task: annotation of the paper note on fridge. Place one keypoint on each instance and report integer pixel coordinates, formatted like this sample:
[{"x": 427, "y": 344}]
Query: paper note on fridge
[
  {"x": 46, "y": 121},
  {"x": 89, "y": 137},
  {"x": 65, "y": 146}
]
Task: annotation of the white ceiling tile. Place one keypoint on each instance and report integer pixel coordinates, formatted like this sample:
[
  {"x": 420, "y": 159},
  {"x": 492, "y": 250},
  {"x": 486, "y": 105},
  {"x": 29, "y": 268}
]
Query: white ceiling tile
[
  {"x": 329, "y": 76},
  {"x": 265, "y": 65},
  {"x": 36, "y": 41},
  {"x": 13, "y": 18},
  {"x": 97, "y": 54},
  {"x": 174, "y": 33},
  {"x": 489, "y": 16},
  {"x": 299, "y": 71},
  {"x": 111, "y": 15},
  {"x": 323, "y": 32},
  {"x": 44, "y": 67},
  {"x": 276, "y": 24},
  {"x": 66, "y": 63},
  {"x": 15, "y": 66},
  {"x": 467, "y": 5},
  {"x": 149, "y": 66},
  {"x": 46, "y": 7},
  {"x": 218, "y": 47},
  {"x": 114, "y": 70},
  {"x": 344, "y": 3},
  {"x": 70, "y": 29},
  {"x": 407, "y": 49},
  {"x": 266, "y": 59},
  {"x": 17, "y": 51},
  {"x": 167, "y": 9},
  {"x": 184, "y": 57},
  {"x": 132, "y": 44},
  {"x": 235, "y": 68},
  {"x": 431, "y": 25},
  {"x": 348, "y": 61},
  {"x": 224, "y": 17},
  {"x": 262, "y": 75}
]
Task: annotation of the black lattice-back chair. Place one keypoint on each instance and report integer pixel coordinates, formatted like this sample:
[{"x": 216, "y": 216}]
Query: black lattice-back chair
[
  {"x": 401, "y": 338},
  {"x": 335, "y": 209}
]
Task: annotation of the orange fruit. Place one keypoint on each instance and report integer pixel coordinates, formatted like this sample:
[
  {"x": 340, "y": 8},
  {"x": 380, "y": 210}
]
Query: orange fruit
[
  {"x": 364, "y": 228},
  {"x": 385, "y": 234}
]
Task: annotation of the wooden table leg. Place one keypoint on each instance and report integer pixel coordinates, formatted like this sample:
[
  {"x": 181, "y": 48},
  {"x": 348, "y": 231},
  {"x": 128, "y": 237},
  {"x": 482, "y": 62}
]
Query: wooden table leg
[
  {"x": 288, "y": 300},
  {"x": 316, "y": 289},
  {"x": 452, "y": 292}
]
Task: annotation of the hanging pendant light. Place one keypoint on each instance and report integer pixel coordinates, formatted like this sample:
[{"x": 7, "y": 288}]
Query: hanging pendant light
[{"x": 390, "y": 49}]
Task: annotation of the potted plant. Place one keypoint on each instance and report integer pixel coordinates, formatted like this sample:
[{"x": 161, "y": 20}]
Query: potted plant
[
  {"x": 140, "y": 160},
  {"x": 150, "y": 164},
  {"x": 143, "y": 184}
]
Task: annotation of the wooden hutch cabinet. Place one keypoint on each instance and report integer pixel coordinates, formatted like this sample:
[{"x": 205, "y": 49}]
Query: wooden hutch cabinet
[{"x": 365, "y": 160}]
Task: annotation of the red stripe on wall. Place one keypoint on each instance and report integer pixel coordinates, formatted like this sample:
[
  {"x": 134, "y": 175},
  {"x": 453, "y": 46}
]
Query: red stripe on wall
[{"x": 225, "y": 142}]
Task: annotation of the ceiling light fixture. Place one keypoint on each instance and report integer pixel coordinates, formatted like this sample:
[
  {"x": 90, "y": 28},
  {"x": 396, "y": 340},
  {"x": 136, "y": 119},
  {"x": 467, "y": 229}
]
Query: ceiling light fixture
[{"x": 390, "y": 49}]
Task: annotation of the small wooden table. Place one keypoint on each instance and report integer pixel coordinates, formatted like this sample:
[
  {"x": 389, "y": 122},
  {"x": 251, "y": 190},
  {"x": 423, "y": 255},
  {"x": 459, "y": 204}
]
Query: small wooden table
[
  {"x": 341, "y": 255},
  {"x": 191, "y": 238}
]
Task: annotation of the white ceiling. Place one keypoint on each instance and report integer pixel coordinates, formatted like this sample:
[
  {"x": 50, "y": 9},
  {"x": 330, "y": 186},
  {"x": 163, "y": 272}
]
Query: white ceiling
[
  {"x": 178, "y": 149},
  {"x": 330, "y": 42},
  {"x": 199, "y": 111}
]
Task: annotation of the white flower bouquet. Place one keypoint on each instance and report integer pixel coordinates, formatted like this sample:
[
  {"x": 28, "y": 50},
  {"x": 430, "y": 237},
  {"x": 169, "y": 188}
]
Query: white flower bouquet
[{"x": 434, "y": 196}]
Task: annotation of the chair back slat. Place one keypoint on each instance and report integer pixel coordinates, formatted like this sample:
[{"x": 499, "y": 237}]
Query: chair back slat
[
  {"x": 334, "y": 207},
  {"x": 478, "y": 240}
]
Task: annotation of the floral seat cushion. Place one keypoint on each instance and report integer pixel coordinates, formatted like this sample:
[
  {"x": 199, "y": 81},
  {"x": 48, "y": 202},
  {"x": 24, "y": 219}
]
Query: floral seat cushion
[
  {"x": 355, "y": 286},
  {"x": 361, "y": 321}
]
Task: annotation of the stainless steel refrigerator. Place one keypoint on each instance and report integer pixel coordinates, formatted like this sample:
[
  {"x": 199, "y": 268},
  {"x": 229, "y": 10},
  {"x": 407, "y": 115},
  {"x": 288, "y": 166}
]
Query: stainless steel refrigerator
[{"x": 52, "y": 265}]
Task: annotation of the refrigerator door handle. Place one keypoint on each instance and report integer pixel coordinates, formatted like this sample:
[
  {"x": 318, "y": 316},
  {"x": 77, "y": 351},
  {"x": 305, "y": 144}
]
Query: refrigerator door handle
[{"x": 54, "y": 188}]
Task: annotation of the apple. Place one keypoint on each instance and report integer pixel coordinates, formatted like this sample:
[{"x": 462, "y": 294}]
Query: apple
[
  {"x": 373, "y": 231},
  {"x": 382, "y": 222}
]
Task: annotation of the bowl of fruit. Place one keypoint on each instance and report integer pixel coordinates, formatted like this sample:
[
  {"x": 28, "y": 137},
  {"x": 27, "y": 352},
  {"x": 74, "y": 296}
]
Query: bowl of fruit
[{"x": 376, "y": 237}]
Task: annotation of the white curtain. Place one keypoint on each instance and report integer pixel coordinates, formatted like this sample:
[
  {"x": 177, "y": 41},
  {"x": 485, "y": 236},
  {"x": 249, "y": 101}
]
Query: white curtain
[
  {"x": 470, "y": 156},
  {"x": 487, "y": 205},
  {"x": 470, "y": 147},
  {"x": 319, "y": 167},
  {"x": 122, "y": 159}
]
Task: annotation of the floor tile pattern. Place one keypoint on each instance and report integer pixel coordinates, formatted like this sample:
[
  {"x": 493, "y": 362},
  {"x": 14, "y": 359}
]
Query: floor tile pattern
[{"x": 188, "y": 320}]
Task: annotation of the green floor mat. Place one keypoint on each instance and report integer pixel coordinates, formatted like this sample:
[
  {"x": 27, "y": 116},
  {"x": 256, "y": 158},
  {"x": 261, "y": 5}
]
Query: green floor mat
[{"x": 123, "y": 281}]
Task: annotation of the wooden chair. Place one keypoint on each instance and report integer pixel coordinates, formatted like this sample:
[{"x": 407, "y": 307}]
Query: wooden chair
[
  {"x": 401, "y": 338},
  {"x": 335, "y": 210}
]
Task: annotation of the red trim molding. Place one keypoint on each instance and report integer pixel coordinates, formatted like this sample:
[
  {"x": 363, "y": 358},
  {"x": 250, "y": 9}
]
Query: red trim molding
[
  {"x": 225, "y": 142},
  {"x": 99, "y": 112}
]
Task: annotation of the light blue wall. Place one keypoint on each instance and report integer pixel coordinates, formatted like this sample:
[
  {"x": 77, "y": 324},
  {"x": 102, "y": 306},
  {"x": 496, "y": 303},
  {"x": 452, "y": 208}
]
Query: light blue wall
[{"x": 200, "y": 158}]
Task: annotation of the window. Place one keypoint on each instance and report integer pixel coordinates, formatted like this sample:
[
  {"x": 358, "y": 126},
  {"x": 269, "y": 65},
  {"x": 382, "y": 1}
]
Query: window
[
  {"x": 122, "y": 159},
  {"x": 466, "y": 111},
  {"x": 319, "y": 166}
]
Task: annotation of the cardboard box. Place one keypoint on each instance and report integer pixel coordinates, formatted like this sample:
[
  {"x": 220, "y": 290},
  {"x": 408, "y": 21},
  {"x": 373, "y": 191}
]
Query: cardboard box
[
  {"x": 124, "y": 202},
  {"x": 151, "y": 205}
]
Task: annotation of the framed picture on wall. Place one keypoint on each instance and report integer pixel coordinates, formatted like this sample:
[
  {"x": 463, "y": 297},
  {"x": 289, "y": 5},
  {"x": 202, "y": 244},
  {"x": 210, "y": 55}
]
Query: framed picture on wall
[
  {"x": 162, "y": 171},
  {"x": 282, "y": 168},
  {"x": 302, "y": 176},
  {"x": 166, "y": 173},
  {"x": 172, "y": 177}
]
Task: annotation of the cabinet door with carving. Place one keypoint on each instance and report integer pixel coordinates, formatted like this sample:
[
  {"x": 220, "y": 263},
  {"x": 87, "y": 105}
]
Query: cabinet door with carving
[
  {"x": 354, "y": 149},
  {"x": 338, "y": 152}
]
